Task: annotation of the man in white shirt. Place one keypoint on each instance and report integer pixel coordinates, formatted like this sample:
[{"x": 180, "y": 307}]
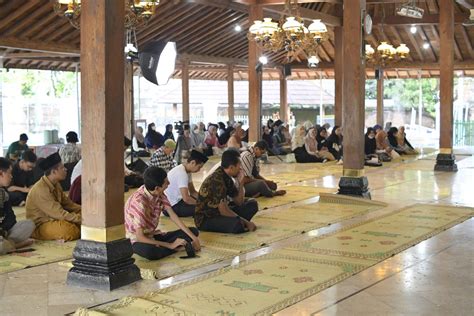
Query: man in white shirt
[{"x": 181, "y": 192}]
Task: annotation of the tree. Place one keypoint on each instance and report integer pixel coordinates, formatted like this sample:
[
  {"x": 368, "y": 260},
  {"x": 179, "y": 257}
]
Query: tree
[{"x": 405, "y": 93}]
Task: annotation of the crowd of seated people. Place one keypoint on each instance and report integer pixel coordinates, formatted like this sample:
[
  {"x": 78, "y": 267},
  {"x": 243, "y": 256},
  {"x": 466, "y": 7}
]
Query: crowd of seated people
[{"x": 224, "y": 203}]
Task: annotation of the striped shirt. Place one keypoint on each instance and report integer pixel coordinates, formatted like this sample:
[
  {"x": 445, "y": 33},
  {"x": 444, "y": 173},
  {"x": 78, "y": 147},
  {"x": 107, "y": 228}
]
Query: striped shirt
[
  {"x": 249, "y": 163},
  {"x": 142, "y": 211},
  {"x": 162, "y": 160}
]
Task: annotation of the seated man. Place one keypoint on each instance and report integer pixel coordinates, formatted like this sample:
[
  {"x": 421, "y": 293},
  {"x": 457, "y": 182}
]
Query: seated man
[
  {"x": 142, "y": 216},
  {"x": 23, "y": 179},
  {"x": 55, "y": 215},
  {"x": 132, "y": 179},
  {"x": 163, "y": 156},
  {"x": 214, "y": 213},
  {"x": 256, "y": 185},
  {"x": 13, "y": 234},
  {"x": 17, "y": 148},
  {"x": 181, "y": 192}
]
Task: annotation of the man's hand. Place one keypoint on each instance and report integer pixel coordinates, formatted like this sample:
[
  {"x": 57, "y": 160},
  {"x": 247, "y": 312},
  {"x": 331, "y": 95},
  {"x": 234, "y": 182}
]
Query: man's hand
[
  {"x": 179, "y": 242},
  {"x": 251, "y": 226},
  {"x": 196, "y": 244}
]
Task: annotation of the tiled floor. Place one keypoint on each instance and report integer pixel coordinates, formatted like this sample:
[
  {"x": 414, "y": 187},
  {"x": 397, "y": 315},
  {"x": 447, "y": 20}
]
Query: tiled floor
[{"x": 436, "y": 277}]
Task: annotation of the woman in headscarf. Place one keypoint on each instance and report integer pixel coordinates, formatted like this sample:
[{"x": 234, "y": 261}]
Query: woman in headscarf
[
  {"x": 138, "y": 143},
  {"x": 298, "y": 146},
  {"x": 321, "y": 137},
  {"x": 184, "y": 145},
  {"x": 311, "y": 145},
  {"x": 212, "y": 141},
  {"x": 370, "y": 145},
  {"x": 334, "y": 142},
  {"x": 392, "y": 135},
  {"x": 404, "y": 143},
  {"x": 198, "y": 135},
  {"x": 169, "y": 132},
  {"x": 153, "y": 139},
  {"x": 383, "y": 146}
]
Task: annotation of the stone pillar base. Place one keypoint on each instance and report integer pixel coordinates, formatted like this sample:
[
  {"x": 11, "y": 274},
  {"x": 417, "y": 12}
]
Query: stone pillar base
[
  {"x": 103, "y": 266},
  {"x": 446, "y": 162},
  {"x": 357, "y": 187}
]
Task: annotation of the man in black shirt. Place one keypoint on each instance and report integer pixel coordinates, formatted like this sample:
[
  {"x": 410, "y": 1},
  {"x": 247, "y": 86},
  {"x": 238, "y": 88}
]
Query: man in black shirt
[{"x": 22, "y": 179}]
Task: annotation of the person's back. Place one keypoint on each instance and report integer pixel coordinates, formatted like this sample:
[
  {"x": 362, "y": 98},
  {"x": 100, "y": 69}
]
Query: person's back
[{"x": 70, "y": 152}]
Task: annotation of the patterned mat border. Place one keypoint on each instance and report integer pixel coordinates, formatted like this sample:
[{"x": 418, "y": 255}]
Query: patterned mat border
[{"x": 394, "y": 251}]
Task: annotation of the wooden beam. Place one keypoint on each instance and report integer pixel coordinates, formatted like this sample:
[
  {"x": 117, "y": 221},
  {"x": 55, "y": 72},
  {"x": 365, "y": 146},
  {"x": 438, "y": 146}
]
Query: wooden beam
[
  {"x": 353, "y": 92},
  {"x": 338, "y": 74},
  {"x": 33, "y": 55},
  {"x": 38, "y": 46},
  {"x": 467, "y": 41},
  {"x": 185, "y": 89},
  {"x": 309, "y": 15},
  {"x": 284, "y": 109},
  {"x": 380, "y": 118},
  {"x": 255, "y": 81},
  {"x": 468, "y": 4},
  {"x": 446, "y": 87},
  {"x": 428, "y": 19},
  {"x": 230, "y": 93},
  {"x": 204, "y": 59}
]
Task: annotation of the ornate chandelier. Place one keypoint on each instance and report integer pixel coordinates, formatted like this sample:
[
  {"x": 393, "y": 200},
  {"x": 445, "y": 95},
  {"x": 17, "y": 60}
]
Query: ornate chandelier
[
  {"x": 385, "y": 54},
  {"x": 289, "y": 34},
  {"x": 137, "y": 12}
]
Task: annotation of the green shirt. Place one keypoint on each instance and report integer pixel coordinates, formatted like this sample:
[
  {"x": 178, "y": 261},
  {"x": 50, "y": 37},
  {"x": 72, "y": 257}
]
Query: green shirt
[{"x": 16, "y": 149}]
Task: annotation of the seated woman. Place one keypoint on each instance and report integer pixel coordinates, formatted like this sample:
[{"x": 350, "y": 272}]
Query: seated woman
[
  {"x": 321, "y": 138},
  {"x": 334, "y": 142},
  {"x": 298, "y": 146},
  {"x": 212, "y": 141},
  {"x": 138, "y": 143},
  {"x": 153, "y": 139},
  {"x": 184, "y": 145},
  {"x": 393, "y": 141},
  {"x": 142, "y": 216},
  {"x": 311, "y": 145},
  {"x": 198, "y": 135},
  {"x": 168, "y": 132},
  {"x": 235, "y": 140},
  {"x": 70, "y": 153},
  {"x": 280, "y": 139},
  {"x": 383, "y": 147},
  {"x": 404, "y": 143}
]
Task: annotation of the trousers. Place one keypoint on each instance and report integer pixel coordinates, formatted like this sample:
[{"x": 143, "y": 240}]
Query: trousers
[
  {"x": 55, "y": 230},
  {"x": 231, "y": 225}
]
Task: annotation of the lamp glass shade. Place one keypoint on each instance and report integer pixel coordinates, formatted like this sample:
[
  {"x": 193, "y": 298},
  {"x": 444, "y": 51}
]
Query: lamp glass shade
[{"x": 157, "y": 61}]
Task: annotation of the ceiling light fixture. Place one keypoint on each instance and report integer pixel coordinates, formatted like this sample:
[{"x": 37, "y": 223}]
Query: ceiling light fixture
[
  {"x": 289, "y": 34},
  {"x": 426, "y": 45},
  {"x": 238, "y": 28},
  {"x": 137, "y": 12},
  {"x": 413, "y": 29},
  {"x": 263, "y": 60}
]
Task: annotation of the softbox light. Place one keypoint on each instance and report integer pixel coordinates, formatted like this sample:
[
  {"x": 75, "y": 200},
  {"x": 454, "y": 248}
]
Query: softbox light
[{"x": 157, "y": 61}]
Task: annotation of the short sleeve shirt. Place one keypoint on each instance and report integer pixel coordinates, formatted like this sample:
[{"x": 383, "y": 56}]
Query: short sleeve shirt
[
  {"x": 142, "y": 211},
  {"x": 216, "y": 187},
  {"x": 162, "y": 160},
  {"x": 249, "y": 163},
  {"x": 178, "y": 178}
]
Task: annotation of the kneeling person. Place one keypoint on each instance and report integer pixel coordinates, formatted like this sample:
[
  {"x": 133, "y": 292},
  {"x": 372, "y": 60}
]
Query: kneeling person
[
  {"x": 214, "y": 213},
  {"x": 181, "y": 192},
  {"x": 142, "y": 216},
  {"x": 255, "y": 185},
  {"x": 55, "y": 215},
  {"x": 13, "y": 234}
]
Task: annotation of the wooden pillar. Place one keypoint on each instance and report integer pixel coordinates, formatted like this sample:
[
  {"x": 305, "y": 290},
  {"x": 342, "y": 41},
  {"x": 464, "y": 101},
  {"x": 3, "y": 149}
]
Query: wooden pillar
[
  {"x": 380, "y": 118},
  {"x": 353, "y": 181},
  {"x": 446, "y": 161},
  {"x": 103, "y": 245},
  {"x": 185, "y": 89},
  {"x": 338, "y": 74},
  {"x": 230, "y": 93},
  {"x": 128, "y": 99},
  {"x": 284, "y": 108},
  {"x": 255, "y": 81}
]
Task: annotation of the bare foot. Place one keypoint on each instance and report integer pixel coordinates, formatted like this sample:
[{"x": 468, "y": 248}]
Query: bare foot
[
  {"x": 280, "y": 192},
  {"x": 25, "y": 243}
]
